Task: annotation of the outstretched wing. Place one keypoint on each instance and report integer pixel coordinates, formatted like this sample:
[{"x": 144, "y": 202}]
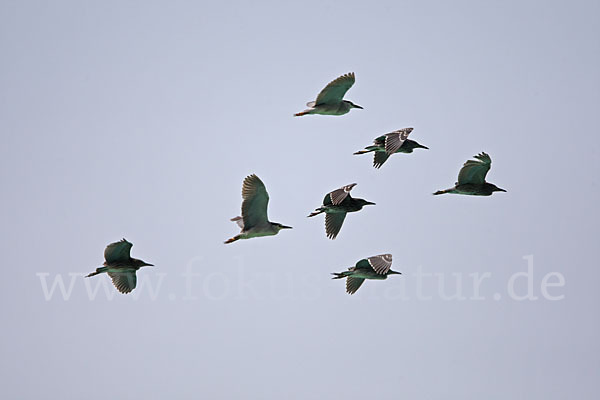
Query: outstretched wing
[
  {"x": 333, "y": 224},
  {"x": 394, "y": 140},
  {"x": 118, "y": 251},
  {"x": 381, "y": 263},
  {"x": 256, "y": 199},
  {"x": 339, "y": 195},
  {"x": 379, "y": 157},
  {"x": 124, "y": 281},
  {"x": 352, "y": 284},
  {"x": 475, "y": 171},
  {"x": 334, "y": 92}
]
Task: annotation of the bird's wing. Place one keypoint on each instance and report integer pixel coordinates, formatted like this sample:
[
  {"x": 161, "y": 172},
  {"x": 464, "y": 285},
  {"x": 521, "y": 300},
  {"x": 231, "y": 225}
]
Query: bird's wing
[
  {"x": 394, "y": 140},
  {"x": 256, "y": 199},
  {"x": 339, "y": 195},
  {"x": 333, "y": 224},
  {"x": 124, "y": 281},
  {"x": 118, "y": 251},
  {"x": 334, "y": 92},
  {"x": 381, "y": 263},
  {"x": 379, "y": 157},
  {"x": 352, "y": 284},
  {"x": 239, "y": 221},
  {"x": 475, "y": 171}
]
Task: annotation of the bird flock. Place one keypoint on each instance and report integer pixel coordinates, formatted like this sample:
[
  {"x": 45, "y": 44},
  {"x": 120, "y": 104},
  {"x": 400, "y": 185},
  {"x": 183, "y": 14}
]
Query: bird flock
[{"x": 254, "y": 221}]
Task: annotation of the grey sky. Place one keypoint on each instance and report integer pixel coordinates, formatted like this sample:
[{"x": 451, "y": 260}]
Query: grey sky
[{"x": 140, "y": 119}]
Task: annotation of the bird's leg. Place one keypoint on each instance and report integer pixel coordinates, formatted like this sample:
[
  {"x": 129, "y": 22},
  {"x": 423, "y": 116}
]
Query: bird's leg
[
  {"x": 233, "y": 239},
  {"x": 362, "y": 152},
  {"x": 316, "y": 212},
  {"x": 301, "y": 113},
  {"x": 98, "y": 271}
]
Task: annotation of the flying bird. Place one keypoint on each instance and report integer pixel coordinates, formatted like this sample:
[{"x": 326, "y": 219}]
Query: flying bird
[
  {"x": 330, "y": 100},
  {"x": 120, "y": 266},
  {"x": 335, "y": 206},
  {"x": 254, "y": 221},
  {"x": 390, "y": 143},
  {"x": 471, "y": 178},
  {"x": 376, "y": 267}
]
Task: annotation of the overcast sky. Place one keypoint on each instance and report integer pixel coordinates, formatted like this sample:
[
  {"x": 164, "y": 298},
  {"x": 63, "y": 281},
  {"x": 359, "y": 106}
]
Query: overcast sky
[{"x": 140, "y": 119}]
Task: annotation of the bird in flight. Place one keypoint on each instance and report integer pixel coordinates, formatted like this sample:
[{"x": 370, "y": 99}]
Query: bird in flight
[
  {"x": 120, "y": 266},
  {"x": 390, "y": 143},
  {"x": 471, "y": 178},
  {"x": 254, "y": 221},
  {"x": 376, "y": 267},
  {"x": 335, "y": 206},
  {"x": 330, "y": 100}
]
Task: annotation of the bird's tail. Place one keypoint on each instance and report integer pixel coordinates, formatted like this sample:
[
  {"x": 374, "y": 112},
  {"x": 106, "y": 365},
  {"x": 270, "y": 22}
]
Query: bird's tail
[
  {"x": 98, "y": 271},
  {"x": 316, "y": 212},
  {"x": 301, "y": 113},
  {"x": 362, "y": 152},
  {"x": 233, "y": 239}
]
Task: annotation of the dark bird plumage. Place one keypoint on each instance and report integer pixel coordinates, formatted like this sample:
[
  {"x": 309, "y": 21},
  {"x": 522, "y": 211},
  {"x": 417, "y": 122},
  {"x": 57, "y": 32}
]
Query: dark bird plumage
[
  {"x": 376, "y": 267},
  {"x": 394, "y": 142},
  {"x": 335, "y": 206},
  {"x": 120, "y": 266},
  {"x": 330, "y": 99},
  {"x": 254, "y": 221},
  {"x": 471, "y": 178}
]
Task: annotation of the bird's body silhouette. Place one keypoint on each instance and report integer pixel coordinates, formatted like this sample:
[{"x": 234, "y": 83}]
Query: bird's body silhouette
[
  {"x": 394, "y": 142},
  {"x": 471, "y": 178},
  {"x": 376, "y": 267},
  {"x": 120, "y": 266},
  {"x": 254, "y": 221},
  {"x": 335, "y": 206},
  {"x": 331, "y": 99}
]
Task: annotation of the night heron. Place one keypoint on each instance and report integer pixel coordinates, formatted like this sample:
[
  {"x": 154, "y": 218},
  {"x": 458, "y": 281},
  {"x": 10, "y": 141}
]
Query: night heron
[
  {"x": 330, "y": 100},
  {"x": 471, "y": 178},
  {"x": 335, "y": 206},
  {"x": 390, "y": 143},
  {"x": 376, "y": 267},
  {"x": 120, "y": 266},
  {"x": 254, "y": 221}
]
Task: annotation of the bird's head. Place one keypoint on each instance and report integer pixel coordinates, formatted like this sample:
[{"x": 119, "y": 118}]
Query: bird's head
[
  {"x": 364, "y": 202},
  {"x": 141, "y": 263},
  {"x": 496, "y": 188},
  {"x": 281, "y": 226},
  {"x": 353, "y": 105}
]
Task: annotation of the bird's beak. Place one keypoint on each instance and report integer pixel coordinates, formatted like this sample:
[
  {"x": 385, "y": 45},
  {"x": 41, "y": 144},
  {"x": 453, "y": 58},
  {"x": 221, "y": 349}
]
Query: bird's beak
[
  {"x": 370, "y": 204},
  {"x": 501, "y": 190},
  {"x": 148, "y": 265},
  {"x": 286, "y": 227},
  {"x": 357, "y": 106},
  {"x": 390, "y": 272},
  {"x": 424, "y": 147}
]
